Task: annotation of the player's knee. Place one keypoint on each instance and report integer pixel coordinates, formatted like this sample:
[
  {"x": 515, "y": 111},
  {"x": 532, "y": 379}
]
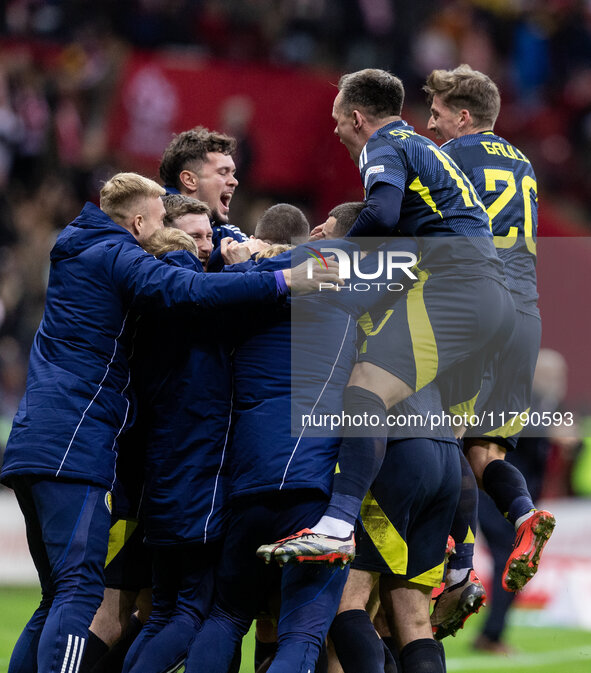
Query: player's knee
[
  {"x": 357, "y": 591},
  {"x": 388, "y": 387},
  {"x": 107, "y": 626},
  {"x": 143, "y": 603}
]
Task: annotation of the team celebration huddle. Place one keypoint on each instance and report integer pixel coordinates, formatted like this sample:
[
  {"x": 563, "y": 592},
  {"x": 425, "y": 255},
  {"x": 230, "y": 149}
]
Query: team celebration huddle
[{"x": 175, "y": 486}]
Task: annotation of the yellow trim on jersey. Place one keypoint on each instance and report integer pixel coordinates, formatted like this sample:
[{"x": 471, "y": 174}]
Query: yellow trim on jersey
[
  {"x": 469, "y": 539},
  {"x": 378, "y": 329},
  {"x": 431, "y": 578},
  {"x": 417, "y": 186},
  {"x": 385, "y": 537},
  {"x": 464, "y": 408},
  {"x": 366, "y": 323},
  {"x": 527, "y": 185},
  {"x": 119, "y": 533},
  {"x": 506, "y": 241},
  {"x": 383, "y": 321},
  {"x": 513, "y": 426},
  {"x": 422, "y": 337},
  {"x": 463, "y": 187}
]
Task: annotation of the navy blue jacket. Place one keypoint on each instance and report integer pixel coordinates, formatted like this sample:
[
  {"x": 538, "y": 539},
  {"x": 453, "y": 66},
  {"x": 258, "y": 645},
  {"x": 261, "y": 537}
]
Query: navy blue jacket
[
  {"x": 182, "y": 377},
  {"x": 76, "y": 401}
]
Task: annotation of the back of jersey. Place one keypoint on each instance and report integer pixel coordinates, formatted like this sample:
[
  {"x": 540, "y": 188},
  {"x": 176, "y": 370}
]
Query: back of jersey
[
  {"x": 506, "y": 183},
  {"x": 440, "y": 206}
]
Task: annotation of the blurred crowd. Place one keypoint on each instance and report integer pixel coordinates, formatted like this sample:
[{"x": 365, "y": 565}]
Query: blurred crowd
[{"x": 53, "y": 149}]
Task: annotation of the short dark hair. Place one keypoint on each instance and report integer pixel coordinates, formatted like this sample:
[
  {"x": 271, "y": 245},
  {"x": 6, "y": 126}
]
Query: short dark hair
[
  {"x": 378, "y": 92},
  {"x": 345, "y": 214},
  {"x": 464, "y": 88},
  {"x": 177, "y": 205},
  {"x": 281, "y": 223},
  {"x": 188, "y": 150}
]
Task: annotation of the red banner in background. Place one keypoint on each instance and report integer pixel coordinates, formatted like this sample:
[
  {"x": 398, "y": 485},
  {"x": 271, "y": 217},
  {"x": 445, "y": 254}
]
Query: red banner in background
[{"x": 283, "y": 116}]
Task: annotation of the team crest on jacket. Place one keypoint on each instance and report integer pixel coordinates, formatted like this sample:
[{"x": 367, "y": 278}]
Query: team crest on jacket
[{"x": 109, "y": 501}]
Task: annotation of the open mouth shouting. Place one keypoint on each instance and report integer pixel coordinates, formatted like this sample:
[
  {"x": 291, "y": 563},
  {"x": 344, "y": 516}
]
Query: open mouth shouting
[{"x": 224, "y": 206}]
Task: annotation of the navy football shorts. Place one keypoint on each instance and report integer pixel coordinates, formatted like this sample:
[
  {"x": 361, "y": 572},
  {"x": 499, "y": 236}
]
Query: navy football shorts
[
  {"x": 128, "y": 565},
  {"x": 443, "y": 329},
  {"x": 507, "y": 384},
  {"x": 408, "y": 512}
]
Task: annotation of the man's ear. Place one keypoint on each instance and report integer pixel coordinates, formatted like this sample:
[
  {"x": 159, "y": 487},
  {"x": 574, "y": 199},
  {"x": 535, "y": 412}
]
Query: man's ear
[
  {"x": 465, "y": 118},
  {"x": 189, "y": 180},
  {"x": 358, "y": 119},
  {"x": 137, "y": 224}
]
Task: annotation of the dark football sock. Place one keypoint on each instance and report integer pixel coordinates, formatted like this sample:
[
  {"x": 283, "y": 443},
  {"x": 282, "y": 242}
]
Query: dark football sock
[
  {"x": 442, "y": 655},
  {"x": 421, "y": 656},
  {"x": 506, "y": 486},
  {"x": 390, "y": 645},
  {"x": 390, "y": 665},
  {"x": 361, "y": 455},
  {"x": 94, "y": 650},
  {"x": 112, "y": 661},
  {"x": 356, "y": 642},
  {"x": 465, "y": 519}
]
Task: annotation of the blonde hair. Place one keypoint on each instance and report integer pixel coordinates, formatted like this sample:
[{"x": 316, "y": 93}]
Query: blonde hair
[
  {"x": 464, "y": 88},
  {"x": 167, "y": 240},
  {"x": 123, "y": 190},
  {"x": 273, "y": 251}
]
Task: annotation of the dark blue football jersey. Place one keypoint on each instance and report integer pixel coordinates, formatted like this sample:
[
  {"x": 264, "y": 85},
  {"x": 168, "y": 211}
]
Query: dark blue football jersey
[
  {"x": 506, "y": 183},
  {"x": 440, "y": 206}
]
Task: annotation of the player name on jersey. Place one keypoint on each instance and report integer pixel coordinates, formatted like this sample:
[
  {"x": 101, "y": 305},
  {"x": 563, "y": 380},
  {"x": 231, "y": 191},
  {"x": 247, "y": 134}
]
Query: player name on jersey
[{"x": 504, "y": 150}]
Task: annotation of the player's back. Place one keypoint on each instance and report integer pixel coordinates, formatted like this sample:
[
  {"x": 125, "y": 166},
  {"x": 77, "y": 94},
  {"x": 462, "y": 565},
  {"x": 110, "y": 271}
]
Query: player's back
[
  {"x": 505, "y": 181},
  {"x": 439, "y": 201}
]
